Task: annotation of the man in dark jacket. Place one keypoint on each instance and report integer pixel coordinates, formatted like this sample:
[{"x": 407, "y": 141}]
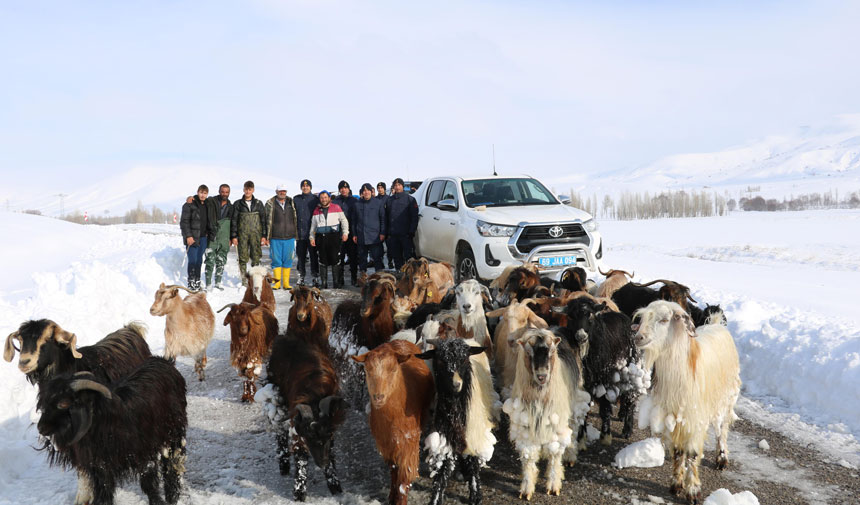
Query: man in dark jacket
[
  {"x": 401, "y": 216},
  {"x": 248, "y": 229},
  {"x": 382, "y": 196},
  {"x": 197, "y": 225},
  {"x": 305, "y": 203},
  {"x": 368, "y": 220},
  {"x": 281, "y": 224},
  {"x": 216, "y": 254},
  {"x": 346, "y": 202}
]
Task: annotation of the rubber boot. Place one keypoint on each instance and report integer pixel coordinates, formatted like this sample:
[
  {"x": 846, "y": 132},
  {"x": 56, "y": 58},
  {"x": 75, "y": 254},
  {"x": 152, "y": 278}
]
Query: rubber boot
[
  {"x": 285, "y": 272},
  {"x": 277, "y": 283},
  {"x": 324, "y": 276}
]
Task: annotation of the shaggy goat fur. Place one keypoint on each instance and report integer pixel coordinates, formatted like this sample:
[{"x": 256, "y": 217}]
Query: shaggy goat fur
[
  {"x": 698, "y": 383},
  {"x": 112, "y": 432},
  {"x": 308, "y": 388},
  {"x": 516, "y": 317},
  {"x": 546, "y": 404},
  {"x": 613, "y": 282},
  {"x": 189, "y": 327},
  {"x": 253, "y": 328},
  {"x": 401, "y": 391},
  {"x": 259, "y": 291},
  {"x": 473, "y": 322},
  {"x": 310, "y": 316}
]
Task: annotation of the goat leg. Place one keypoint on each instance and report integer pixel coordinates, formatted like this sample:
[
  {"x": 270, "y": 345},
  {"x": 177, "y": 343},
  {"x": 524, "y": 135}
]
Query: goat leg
[
  {"x": 149, "y": 484},
  {"x": 172, "y": 468},
  {"x": 330, "y": 471},
  {"x": 440, "y": 482},
  {"x": 300, "y": 486},
  {"x": 283, "y": 438},
  {"x": 471, "y": 467},
  {"x": 85, "y": 490},
  {"x": 627, "y": 413},
  {"x": 678, "y": 470},
  {"x": 104, "y": 488},
  {"x": 605, "y": 420}
]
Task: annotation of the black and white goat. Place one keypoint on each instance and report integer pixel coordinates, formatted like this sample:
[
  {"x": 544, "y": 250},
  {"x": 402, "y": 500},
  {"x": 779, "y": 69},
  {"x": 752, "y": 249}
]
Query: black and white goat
[
  {"x": 462, "y": 428},
  {"x": 112, "y": 432},
  {"x": 611, "y": 362}
]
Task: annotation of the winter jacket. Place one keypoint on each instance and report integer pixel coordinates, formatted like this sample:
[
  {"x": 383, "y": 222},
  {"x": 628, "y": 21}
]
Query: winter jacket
[
  {"x": 240, "y": 207},
  {"x": 280, "y": 223},
  {"x": 368, "y": 221},
  {"x": 383, "y": 199},
  {"x": 401, "y": 214},
  {"x": 305, "y": 205},
  {"x": 346, "y": 203},
  {"x": 198, "y": 220},
  {"x": 332, "y": 222}
]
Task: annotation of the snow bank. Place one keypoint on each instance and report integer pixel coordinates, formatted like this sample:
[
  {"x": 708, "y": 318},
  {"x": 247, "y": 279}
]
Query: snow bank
[
  {"x": 646, "y": 453},
  {"x": 725, "y": 497}
]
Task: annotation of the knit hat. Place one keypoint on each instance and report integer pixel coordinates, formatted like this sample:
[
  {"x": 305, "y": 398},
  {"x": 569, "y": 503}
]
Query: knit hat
[
  {"x": 306, "y": 181},
  {"x": 398, "y": 181},
  {"x": 324, "y": 191},
  {"x": 381, "y": 184},
  {"x": 342, "y": 184},
  {"x": 366, "y": 186}
]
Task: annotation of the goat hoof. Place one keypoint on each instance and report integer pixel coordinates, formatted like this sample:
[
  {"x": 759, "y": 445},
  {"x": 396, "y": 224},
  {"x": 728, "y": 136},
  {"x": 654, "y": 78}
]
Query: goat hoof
[
  {"x": 606, "y": 439},
  {"x": 676, "y": 489},
  {"x": 722, "y": 463},
  {"x": 526, "y": 496},
  {"x": 694, "y": 498}
]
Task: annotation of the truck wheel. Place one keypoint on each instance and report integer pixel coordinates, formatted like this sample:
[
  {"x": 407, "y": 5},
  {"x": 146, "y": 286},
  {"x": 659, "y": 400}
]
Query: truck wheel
[{"x": 466, "y": 268}]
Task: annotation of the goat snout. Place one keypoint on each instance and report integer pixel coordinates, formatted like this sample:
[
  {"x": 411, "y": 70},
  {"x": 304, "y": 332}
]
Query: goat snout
[
  {"x": 467, "y": 307},
  {"x": 541, "y": 378},
  {"x": 378, "y": 399},
  {"x": 301, "y": 316},
  {"x": 457, "y": 382}
]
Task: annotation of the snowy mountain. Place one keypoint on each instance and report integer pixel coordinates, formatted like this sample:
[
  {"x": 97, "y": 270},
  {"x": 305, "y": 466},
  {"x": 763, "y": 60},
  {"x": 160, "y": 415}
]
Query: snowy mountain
[
  {"x": 810, "y": 160},
  {"x": 164, "y": 186}
]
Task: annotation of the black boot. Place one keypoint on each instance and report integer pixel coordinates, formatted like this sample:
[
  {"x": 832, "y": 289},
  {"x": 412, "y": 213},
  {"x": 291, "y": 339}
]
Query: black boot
[
  {"x": 324, "y": 276},
  {"x": 338, "y": 276}
]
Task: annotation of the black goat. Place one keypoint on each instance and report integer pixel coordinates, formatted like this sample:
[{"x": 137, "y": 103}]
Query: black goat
[
  {"x": 711, "y": 314},
  {"x": 112, "y": 432},
  {"x": 48, "y": 350},
  {"x": 573, "y": 279},
  {"x": 610, "y": 361},
  {"x": 632, "y": 297},
  {"x": 309, "y": 389},
  {"x": 419, "y": 315},
  {"x": 447, "y": 442}
]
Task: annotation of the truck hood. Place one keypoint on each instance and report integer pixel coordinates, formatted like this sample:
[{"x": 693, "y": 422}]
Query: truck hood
[{"x": 531, "y": 213}]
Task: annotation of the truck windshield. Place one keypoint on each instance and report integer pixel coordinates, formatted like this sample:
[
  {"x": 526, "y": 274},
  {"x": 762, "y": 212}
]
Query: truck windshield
[{"x": 506, "y": 192}]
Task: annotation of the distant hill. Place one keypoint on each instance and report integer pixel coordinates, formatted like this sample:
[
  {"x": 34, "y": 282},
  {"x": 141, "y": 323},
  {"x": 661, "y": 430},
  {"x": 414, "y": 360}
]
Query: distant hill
[
  {"x": 163, "y": 186},
  {"x": 810, "y": 160}
]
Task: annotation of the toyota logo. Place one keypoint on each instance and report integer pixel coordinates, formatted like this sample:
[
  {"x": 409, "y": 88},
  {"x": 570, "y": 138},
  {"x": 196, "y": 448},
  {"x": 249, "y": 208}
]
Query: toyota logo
[{"x": 555, "y": 231}]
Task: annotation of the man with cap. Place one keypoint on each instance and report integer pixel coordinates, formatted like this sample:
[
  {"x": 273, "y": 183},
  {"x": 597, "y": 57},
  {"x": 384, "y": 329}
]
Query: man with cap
[
  {"x": 346, "y": 202},
  {"x": 368, "y": 228},
  {"x": 401, "y": 215},
  {"x": 248, "y": 229},
  {"x": 329, "y": 228},
  {"x": 197, "y": 225},
  {"x": 281, "y": 224},
  {"x": 305, "y": 203},
  {"x": 382, "y": 196}
]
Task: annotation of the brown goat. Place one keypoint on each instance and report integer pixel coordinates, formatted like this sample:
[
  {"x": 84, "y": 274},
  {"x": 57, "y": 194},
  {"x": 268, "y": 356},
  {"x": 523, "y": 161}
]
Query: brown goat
[
  {"x": 259, "y": 291},
  {"x": 672, "y": 291},
  {"x": 253, "y": 328},
  {"x": 310, "y": 316},
  {"x": 614, "y": 280},
  {"x": 521, "y": 282},
  {"x": 401, "y": 391},
  {"x": 425, "y": 290},
  {"x": 442, "y": 275},
  {"x": 377, "y": 313},
  {"x": 189, "y": 325}
]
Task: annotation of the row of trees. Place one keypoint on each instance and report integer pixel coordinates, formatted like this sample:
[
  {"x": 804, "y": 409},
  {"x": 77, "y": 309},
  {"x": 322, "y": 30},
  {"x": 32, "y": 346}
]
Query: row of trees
[
  {"x": 629, "y": 205},
  {"x": 140, "y": 214}
]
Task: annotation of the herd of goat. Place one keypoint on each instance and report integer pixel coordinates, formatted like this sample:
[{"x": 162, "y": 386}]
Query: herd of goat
[{"x": 433, "y": 362}]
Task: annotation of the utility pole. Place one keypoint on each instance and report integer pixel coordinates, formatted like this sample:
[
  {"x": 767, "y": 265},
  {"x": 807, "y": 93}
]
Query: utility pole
[{"x": 62, "y": 203}]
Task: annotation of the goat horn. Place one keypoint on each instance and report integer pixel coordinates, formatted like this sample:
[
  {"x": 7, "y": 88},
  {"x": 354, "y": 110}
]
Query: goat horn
[
  {"x": 82, "y": 384},
  {"x": 691, "y": 298},
  {"x": 231, "y": 305},
  {"x": 602, "y": 272},
  {"x": 630, "y": 275},
  {"x": 655, "y": 282},
  {"x": 180, "y": 287}
]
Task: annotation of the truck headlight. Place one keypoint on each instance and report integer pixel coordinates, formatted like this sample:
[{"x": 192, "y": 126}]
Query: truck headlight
[
  {"x": 590, "y": 225},
  {"x": 495, "y": 230}
]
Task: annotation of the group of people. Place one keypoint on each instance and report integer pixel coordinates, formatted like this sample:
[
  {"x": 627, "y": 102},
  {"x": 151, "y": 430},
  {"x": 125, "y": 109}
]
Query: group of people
[{"x": 326, "y": 231}]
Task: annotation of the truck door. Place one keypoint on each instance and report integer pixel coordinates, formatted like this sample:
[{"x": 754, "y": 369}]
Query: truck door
[{"x": 428, "y": 221}]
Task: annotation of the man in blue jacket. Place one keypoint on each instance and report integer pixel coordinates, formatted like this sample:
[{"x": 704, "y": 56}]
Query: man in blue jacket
[
  {"x": 368, "y": 221},
  {"x": 305, "y": 203},
  {"x": 401, "y": 218},
  {"x": 382, "y": 196},
  {"x": 346, "y": 201}
]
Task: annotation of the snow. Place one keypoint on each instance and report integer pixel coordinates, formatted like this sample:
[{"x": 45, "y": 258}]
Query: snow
[
  {"x": 646, "y": 453},
  {"x": 787, "y": 282},
  {"x": 763, "y": 445},
  {"x": 725, "y": 497}
]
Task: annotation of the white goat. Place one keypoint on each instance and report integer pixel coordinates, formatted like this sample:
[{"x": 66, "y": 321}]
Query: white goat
[
  {"x": 189, "y": 326},
  {"x": 698, "y": 383},
  {"x": 546, "y": 406},
  {"x": 473, "y": 322}
]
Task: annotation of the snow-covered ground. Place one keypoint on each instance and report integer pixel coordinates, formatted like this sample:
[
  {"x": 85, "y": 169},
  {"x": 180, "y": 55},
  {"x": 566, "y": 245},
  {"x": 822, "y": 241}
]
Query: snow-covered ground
[{"x": 788, "y": 283}]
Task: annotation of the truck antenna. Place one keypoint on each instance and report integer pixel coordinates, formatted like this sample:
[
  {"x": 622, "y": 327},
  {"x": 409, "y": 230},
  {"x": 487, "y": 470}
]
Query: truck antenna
[{"x": 494, "y": 161}]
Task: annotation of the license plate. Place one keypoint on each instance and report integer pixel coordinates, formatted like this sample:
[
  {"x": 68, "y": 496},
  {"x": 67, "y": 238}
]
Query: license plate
[{"x": 557, "y": 261}]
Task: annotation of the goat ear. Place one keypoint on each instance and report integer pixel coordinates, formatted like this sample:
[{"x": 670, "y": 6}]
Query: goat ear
[
  {"x": 9, "y": 348},
  {"x": 476, "y": 350},
  {"x": 330, "y": 404},
  {"x": 174, "y": 292},
  {"x": 497, "y": 313},
  {"x": 303, "y": 414},
  {"x": 228, "y": 318},
  {"x": 426, "y": 354},
  {"x": 634, "y": 327},
  {"x": 360, "y": 358},
  {"x": 601, "y": 307},
  {"x": 316, "y": 293},
  {"x": 162, "y": 286},
  {"x": 403, "y": 358},
  {"x": 63, "y": 337}
]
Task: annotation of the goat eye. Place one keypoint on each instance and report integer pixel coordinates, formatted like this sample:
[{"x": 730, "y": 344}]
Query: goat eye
[
  {"x": 64, "y": 404},
  {"x": 664, "y": 321}
]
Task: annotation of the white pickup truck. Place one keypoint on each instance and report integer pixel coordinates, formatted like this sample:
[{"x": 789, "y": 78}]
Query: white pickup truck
[{"x": 483, "y": 224}]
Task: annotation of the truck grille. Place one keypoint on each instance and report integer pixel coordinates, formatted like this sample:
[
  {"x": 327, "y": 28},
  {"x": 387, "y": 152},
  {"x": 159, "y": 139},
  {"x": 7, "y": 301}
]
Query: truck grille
[{"x": 534, "y": 236}]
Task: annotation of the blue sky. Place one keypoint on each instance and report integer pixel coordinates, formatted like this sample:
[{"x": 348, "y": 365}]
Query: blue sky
[{"x": 375, "y": 90}]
